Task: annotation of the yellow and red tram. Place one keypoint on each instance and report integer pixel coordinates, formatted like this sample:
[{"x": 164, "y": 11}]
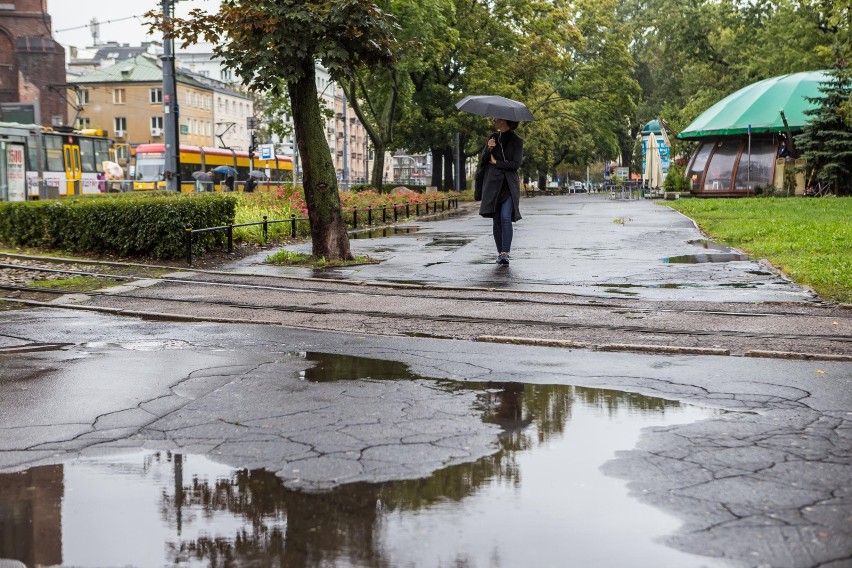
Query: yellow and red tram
[{"x": 148, "y": 166}]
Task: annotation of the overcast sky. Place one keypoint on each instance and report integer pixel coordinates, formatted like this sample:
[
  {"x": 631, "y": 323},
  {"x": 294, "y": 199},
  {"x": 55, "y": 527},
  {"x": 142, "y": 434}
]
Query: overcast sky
[{"x": 67, "y": 14}]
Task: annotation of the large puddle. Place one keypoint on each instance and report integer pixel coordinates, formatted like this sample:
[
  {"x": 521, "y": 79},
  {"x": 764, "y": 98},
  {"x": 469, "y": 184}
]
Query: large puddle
[{"x": 540, "y": 500}]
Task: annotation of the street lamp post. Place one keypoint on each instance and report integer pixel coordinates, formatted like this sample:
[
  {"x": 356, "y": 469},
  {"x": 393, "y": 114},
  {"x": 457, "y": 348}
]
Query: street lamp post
[{"x": 171, "y": 108}]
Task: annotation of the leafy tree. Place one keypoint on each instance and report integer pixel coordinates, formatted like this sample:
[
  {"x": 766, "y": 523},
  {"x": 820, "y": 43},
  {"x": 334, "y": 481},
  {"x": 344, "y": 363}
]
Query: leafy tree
[
  {"x": 826, "y": 143},
  {"x": 583, "y": 104},
  {"x": 275, "y": 43},
  {"x": 274, "y": 107},
  {"x": 380, "y": 95}
]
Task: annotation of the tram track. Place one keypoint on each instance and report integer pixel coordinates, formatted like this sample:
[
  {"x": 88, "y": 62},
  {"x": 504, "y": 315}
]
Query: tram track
[
  {"x": 460, "y": 313},
  {"x": 406, "y": 290}
]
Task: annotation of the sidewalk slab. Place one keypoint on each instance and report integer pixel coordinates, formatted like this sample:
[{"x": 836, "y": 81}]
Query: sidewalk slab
[{"x": 578, "y": 243}]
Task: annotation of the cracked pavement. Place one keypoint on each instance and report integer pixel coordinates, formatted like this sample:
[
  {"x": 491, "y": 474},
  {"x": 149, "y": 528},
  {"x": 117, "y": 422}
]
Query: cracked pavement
[
  {"x": 763, "y": 481},
  {"x": 753, "y": 457}
]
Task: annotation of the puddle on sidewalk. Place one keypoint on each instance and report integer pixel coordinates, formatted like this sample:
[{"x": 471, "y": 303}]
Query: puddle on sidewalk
[
  {"x": 382, "y": 232},
  {"x": 538, "y": 501},
  {"x": 703, "y": 258}
]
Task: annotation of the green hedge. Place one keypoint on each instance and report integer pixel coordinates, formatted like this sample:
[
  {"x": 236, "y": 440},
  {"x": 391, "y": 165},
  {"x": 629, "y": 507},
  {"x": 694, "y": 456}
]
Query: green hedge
[{"x": 120, "y": 224}]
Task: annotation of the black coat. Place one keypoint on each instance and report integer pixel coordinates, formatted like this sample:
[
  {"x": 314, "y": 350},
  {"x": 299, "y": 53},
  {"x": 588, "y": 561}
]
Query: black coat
[{"x": 489, "y": 178}]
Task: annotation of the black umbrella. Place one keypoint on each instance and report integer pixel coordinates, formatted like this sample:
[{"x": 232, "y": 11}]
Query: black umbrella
[
  {"x": 495, "y": 106},
  {"x": 202, "y": 176},
  {"x": 257, "y": 174}
]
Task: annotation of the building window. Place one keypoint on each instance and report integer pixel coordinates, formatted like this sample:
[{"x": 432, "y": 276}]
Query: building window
[
  {"x": 83, "y": 122},
  {"x": 221, "y": 106},
  {"x": 188, "y": 98},
  {"x": 156, "y": 96},
  {"x": 119, "y": 124},
  {"x": 83, "y": 97},
  {"x": 225, "y": 75},
  {"x": 119, "y": 96},
  {"x": 156, "y": 125}
]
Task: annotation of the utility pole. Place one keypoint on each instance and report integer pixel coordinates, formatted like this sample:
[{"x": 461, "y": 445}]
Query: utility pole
[
  {"x": 171, "y": 110},
  {"x": 345, "y": 139}
]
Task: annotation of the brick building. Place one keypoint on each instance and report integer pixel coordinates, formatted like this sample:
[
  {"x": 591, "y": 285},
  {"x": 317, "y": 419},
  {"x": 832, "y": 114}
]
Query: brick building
[{"x": 32, "y": 64}]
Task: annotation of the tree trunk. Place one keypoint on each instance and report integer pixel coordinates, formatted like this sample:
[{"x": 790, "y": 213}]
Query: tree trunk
[
  {"x": 377, "y": 177},
  {"x": 542, "y": 182},
  {"x": 328, "y": 232},
  {"x": 437, "y": 156},
  {"x": 449, "y": 182}
]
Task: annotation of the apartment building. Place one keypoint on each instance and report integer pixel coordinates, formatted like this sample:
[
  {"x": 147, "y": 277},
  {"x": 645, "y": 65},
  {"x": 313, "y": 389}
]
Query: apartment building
[{"x": 126, "y": 100}]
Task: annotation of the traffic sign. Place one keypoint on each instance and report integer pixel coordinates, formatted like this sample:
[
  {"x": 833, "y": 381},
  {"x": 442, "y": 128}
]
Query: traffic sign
[{"x": 267, "y": 151}]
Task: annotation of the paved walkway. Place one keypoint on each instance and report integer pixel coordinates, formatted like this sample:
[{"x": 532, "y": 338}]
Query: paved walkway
[{"x": 586, "y": 244}]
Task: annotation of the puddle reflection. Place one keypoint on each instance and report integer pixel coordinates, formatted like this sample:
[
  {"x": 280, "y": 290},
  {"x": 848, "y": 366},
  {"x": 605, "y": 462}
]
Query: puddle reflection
[
  {"x": 703, "y": 258},
  {"x": 538, "y": 501},
  {"x": 379, "y": 232}
]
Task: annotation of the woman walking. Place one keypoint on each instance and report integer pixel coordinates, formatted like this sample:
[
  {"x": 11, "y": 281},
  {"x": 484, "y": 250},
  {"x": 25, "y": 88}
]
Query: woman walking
[{"x": 498, "y": 184}]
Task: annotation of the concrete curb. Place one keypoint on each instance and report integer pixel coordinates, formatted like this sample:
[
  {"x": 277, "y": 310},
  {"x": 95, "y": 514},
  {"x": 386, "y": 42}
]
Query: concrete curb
[
  {"x": 794, "y": 355},
  {"x": 671, "y": 349}
]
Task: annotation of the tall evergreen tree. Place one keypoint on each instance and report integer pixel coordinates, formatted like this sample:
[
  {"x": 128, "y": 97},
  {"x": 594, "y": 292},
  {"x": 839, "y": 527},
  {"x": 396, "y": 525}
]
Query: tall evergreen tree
[{"x": 826, "y": 143}]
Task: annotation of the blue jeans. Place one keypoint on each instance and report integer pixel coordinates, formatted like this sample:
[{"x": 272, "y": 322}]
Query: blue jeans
[{"x": 503, "y": 226}]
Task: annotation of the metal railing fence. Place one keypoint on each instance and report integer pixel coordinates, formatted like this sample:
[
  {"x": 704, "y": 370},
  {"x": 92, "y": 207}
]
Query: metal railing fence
[{"x": 445, "y": 204}]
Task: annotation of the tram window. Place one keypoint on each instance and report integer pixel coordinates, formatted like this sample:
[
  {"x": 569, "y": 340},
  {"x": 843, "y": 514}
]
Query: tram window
[
  {"x": 53, "y": 160},
  {"x": 87, "y": 155},
  {"x": 186, "y": 171},
  {"x": 32, "y": 151},
  {"x": 149, "y": 170},
  {"x": 101, "y": 152}
]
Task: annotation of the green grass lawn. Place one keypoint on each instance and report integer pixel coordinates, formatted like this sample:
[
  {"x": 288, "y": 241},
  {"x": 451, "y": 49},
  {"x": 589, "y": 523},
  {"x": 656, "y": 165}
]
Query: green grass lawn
[{"x": 810, "y": 239}]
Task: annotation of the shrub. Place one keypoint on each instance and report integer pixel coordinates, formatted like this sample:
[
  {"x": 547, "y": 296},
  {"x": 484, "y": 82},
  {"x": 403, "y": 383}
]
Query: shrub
[
  {"x": 124, "y": 225},
  {"x": 676, "y": 180}
]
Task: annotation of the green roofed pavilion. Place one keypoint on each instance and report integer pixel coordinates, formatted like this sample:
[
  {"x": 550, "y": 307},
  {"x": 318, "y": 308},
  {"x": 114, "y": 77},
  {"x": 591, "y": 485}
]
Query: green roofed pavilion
[{"x": 759, "y": 105}]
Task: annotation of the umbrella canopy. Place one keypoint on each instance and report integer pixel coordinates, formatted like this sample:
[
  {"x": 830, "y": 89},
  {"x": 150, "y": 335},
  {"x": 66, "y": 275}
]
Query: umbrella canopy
[
  {"x": 496, "y": 107},
  {"x": 202, "y": 176},
  {"x": 112, "y": 170},
  {"x": 759, "y": 105},
  {"x": 257, "y": 174},
  {"x": 227, "y": 170},
  {"x": 653, "y": 173}
]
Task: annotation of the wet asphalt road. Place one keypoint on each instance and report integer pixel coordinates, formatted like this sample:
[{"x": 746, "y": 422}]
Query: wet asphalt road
[{"x": 759, "y": 477}]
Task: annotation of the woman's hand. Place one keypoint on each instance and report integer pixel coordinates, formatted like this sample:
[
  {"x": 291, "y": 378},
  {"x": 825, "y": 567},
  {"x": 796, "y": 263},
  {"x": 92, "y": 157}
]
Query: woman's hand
[{"x": 491, "y": 144}]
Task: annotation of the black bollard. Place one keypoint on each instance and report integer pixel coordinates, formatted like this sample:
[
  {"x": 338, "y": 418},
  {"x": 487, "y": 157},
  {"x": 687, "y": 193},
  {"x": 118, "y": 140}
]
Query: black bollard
[{"x": 188, "y": 232}]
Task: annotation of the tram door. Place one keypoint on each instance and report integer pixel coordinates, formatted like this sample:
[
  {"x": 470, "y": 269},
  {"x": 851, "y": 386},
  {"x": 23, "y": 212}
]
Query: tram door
[{"x": 73, "y": 171}]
